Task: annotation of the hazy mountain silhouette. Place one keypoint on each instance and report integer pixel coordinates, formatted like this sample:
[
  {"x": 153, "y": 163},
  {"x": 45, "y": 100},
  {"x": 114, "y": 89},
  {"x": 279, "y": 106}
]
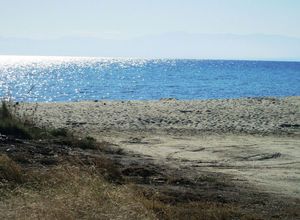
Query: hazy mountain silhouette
[{"x": 169, "y": 45}]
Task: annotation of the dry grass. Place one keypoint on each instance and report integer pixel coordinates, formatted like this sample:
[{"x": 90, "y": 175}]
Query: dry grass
[
  {"x": 191, "y": 210},
  {"x": 9, "y": 170},
  {"x": 196, "y": 210},
  {"x": 70, "y": 192},
  {"x": 81, "y": 192}
]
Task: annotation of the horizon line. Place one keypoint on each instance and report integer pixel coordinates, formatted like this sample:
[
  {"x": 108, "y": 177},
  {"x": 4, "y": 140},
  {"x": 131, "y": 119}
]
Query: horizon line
[{"x": 154, "y": 58}]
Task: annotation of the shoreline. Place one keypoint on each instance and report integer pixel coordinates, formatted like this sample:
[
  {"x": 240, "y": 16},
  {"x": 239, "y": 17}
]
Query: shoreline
[
  {"x": 154, "y": 100},
  {"x": 244, "y": 115}
]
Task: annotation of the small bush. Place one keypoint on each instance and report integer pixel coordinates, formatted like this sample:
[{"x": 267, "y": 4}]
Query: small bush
[
  {"x": 59, "y": 132},
  {"x": 4, "y": 111},
  {"x": 87, "y": 143},
  {"x": 83, "y": 143},
  {"x": 9, "y": 170},
  {"x": 10, "y": 127}
]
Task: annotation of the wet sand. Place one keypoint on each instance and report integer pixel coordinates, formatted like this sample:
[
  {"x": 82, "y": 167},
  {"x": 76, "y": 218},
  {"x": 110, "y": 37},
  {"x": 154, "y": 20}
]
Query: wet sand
[{"x": 255, "y": 141}]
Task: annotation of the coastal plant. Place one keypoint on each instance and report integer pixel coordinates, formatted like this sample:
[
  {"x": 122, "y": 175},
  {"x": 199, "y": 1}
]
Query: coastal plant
[
  {"x": 4, "y": 111},
  {"x": 9, "y": 125},
  {"x": 86, "y": 143},
  {"x": 59, "y": 132}
]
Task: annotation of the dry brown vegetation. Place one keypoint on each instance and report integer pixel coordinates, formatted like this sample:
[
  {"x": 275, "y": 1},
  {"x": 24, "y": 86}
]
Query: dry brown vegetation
[
  {"x": 9, "y": 170},
  {"x": 68, "y": 192},
  {"x": 81, "y": 192}
]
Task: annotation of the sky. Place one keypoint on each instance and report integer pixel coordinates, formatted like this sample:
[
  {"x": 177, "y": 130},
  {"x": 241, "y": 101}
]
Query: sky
[{"x": 114, "y": 24}]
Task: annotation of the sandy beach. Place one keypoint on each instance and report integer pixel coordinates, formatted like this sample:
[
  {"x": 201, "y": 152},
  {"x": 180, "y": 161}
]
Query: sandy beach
[{"x": 254, "y": 141}]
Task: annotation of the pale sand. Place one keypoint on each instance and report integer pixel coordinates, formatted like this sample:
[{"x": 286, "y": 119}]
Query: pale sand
[{"x": 254, "y": 140}]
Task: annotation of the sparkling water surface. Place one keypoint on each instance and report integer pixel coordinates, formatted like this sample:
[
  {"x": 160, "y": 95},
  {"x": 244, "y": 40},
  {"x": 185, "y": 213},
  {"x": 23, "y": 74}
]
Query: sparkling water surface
[{"x": 47, "y": 79}]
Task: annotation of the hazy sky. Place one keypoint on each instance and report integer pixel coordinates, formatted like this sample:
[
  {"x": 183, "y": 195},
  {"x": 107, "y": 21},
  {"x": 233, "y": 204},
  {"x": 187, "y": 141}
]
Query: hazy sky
[{"x": 128, "y": 19}]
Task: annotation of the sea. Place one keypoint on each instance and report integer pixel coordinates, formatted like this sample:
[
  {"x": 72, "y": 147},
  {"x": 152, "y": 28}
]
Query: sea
[{"x": 60, "y": 79}]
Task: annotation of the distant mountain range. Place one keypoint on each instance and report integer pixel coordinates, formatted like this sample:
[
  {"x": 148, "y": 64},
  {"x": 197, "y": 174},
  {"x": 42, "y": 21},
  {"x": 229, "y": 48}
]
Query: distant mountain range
[{"x": 169, "y": 45}]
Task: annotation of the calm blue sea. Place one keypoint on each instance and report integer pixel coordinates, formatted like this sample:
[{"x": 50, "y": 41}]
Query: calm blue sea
[{"x": 73, "y": 79}]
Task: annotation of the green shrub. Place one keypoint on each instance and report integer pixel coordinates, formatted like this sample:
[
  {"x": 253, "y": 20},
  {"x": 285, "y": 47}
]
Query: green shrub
[
  {"x": 16, "y": 129},
  {"x": 10, "y": 125},
  {"x": 59, "y": 132},
  {"x": 86, "y": 143},
  {"x": 4, "y": 111}
]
